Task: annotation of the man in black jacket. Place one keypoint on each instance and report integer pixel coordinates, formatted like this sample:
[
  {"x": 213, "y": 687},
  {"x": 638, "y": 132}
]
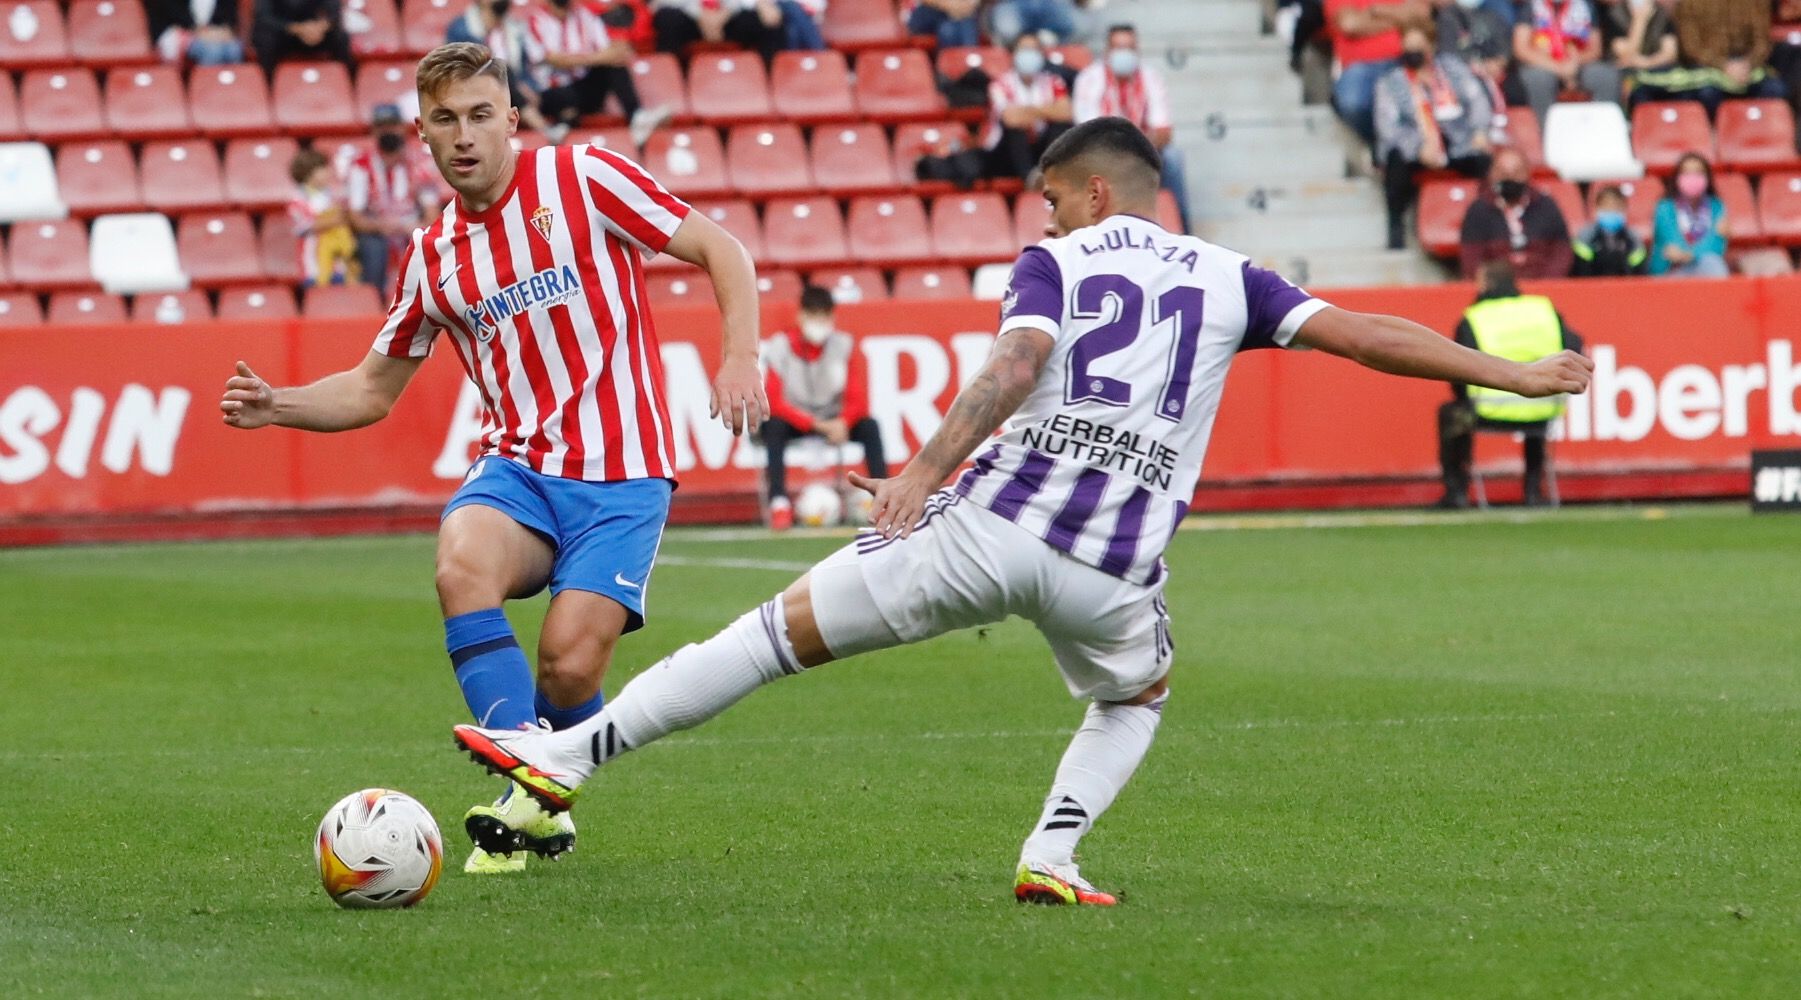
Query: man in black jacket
[{"x": 288, "y": 28}]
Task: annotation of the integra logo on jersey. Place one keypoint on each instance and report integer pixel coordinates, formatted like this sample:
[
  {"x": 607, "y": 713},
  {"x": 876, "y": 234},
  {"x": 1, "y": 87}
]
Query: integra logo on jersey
[
  {"x": 1125, "y": 239},
  {"x": 549, "y": 287}
]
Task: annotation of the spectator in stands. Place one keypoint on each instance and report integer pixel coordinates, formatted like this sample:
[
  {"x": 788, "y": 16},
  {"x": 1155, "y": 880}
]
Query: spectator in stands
[
  {"x": 1688, "y": 236},
  {"x": 494, "y": 23},
  {"x": 1606, "y": 248},
  {"x": 1120, "y": 84},
  {"x": 1012, "y": 18},
  {"x": 1515, "y": 223},
  {"x": 1432, "y": 113},
  {"x": 800, "y": 25},
  {"x": 1785, "y": 49},
  {"x": 583, "y": 63},
  {"x": 1029, "y": 108},
  {"x": 203, "y": 32},
  {"x": 391, "y": 190},
  {"x": 1641, "y": 35},
  {"x": 817, "y": 386},
  {"x": 952, "y": 22},
  {"x": 328, "y": 249},
  {"x": 1366, "y": 38},
  {"x": 1725, "y": 47},
  {"x": 1558, "y": 47},
  {"x": 308, "y": 29},
  {"x": 627, "y": 19},
  {"x": 1482, "y": 37},
  {"x": 753, "y": 24}
]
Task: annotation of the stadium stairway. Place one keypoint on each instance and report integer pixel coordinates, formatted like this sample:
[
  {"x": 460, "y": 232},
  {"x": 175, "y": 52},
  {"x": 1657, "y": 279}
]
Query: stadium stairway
[{"x": 1268, "y": 175}]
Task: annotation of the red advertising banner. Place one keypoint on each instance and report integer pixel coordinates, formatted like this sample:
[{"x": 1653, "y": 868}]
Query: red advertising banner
[{"x": 123, "y": 421}]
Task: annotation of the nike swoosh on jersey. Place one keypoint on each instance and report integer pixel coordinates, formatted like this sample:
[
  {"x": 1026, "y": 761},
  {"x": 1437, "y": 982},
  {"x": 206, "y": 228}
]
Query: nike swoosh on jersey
[
  {"x": 620, "y": 579},
  {"x": 444, "y": 279}
]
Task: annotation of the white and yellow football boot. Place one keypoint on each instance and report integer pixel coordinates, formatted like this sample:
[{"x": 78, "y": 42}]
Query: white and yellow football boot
[{"x": 514, "y": 826}]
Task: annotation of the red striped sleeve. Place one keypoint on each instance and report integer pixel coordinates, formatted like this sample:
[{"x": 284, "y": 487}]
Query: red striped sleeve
[
  {"x": 406, "y": 333},
  {"x": 631, "y": 202}
]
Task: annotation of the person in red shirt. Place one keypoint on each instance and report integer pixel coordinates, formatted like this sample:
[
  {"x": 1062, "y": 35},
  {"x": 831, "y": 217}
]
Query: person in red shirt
[
  {"x": 1366, "y": 39},
  {"x": 816, "y": 384}
]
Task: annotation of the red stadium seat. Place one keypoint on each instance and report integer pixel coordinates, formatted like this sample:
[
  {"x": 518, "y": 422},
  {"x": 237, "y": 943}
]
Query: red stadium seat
[
  {"x": 1757, "y": 135},
  {"x": 20, "y": 309},
  {"x": 889, "y": 231},
  {"x": 218, "y": 248},
  {"x": 381, "y": 34},
  {"x": 768, "y": 160},
  {"x": 1523, "y": 134},
  {"x": 736, "y": 216},
  {"x": 804, "y": 232},
  {"x": 342, "y": 300},
  {"x": 1073, "y": 57},
  {"x": 851, "y": 284},
  {"x": 315, "y": 99},
  {"x": 898, "y": 86},
  {"x": 11, "y": 128},
  {"x": 182, "y": 176},
  {"x": 1778, "y": 202},
  {"x": 689, "y": 162},
  {"x": 59, "y": 105},
  {"x": 230, "y": 101},
  {"x": 147, "y": 102},
  {"x": 1662, "y": 131},
  {"x": 109, "y": 33},
  {"x": 1763, "y": 262},
  {"x": 853, "y": 159},
  {"x": 84, "y": 308},
  {"x": 726, "y": 88},
  {"x": 811, "y": 87},
  {"x": 1742, "y": 225},
  {"x": 931, "y": 283},
  {"x": 916, "y": 140},
  {"x": 95, "y": 178},
  {"x": 32, "y": 35},
  {"x": 859, "y": 24},
  {"x": 990, "y": 59},
  {"x": 973, "y": 229},
  {"x": 256, "y": 171},
  {"x": 277, "y": 248},
  {"x": 381, "y": 83},
  {"x": 50, "y": 255},
  {"x": 617, "y": 138},
  {"x": 689, "y": 287},
  {"x": 658, "y": 78},
  {"x": 1030, "y": 216},
  {"x": 426, "y": 22},
  {"x": 1569, "y": 200},
  {"x": 779, "y": 286},
  {"x": 257, "y": 302},
  {"x": 169, "y": 308},
  {"x": 1441, "y": 210}
]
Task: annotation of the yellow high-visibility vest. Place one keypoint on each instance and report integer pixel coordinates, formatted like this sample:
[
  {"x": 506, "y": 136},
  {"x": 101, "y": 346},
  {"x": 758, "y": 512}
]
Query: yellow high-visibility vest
[{"x": 1522, "y": 328}]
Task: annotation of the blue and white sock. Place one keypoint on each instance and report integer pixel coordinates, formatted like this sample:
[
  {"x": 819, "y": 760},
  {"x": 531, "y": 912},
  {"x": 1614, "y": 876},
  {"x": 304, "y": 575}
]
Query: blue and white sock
[{"x": 491, "y": 669}]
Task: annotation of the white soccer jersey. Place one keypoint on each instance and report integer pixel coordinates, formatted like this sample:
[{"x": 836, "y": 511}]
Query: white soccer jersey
[{"x": 1102, "y": 458}]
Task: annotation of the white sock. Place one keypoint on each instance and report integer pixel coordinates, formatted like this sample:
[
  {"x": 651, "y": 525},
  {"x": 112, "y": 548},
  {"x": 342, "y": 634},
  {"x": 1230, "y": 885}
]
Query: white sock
[
  {"x": 686, "y": 689},
  {"x": 1100, "y": 759}
]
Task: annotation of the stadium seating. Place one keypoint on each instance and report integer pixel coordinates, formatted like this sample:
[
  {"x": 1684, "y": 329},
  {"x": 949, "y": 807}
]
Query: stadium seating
[
  {"x": 768, "y": 160},
  {"x": 914, "y": 140},
  {"x": 109, "y": 33},
  {"x": 342, "y": 300},
  {"x": 34, "y": 36},
  {"x": 182, "y": 176},
  {"x": 1442, "y": 205},
  {"x": 658, "y": 78},
  {"x": 990, "y": 282},
  {"x": 381, "y": 83},
  {"x": 973, "y": 229},
  {"x": 858, "y": 24},
  {"x": 75, "y": 308},
  {"x": 990, "y": 59},
  {"x": 315, "y": 99},
  {"x": 689, "y": 162},
  {"x": 812, "y": 87},
  {"x": 617, "y": 138},
  {"x": 11, "y": 128},
  {"x": 1743, "y": 228},
  {"x": 95, "y": 178},
  {"x": 1757, "y": 136},
  {"x": 147, "y": 102},
  {"x": 1778, "y": 202},
  {"x": 851, "y": 284},
  {"x": 1569, "y": 200},
  {"x": 778, "y": 286},
  {"x": 1765, "y": 262},
  {"x": 257, "y": 302},
  {"x": 931, "y": 283},
  {"x": 736, "y": 216},
  {"x": 425, "y": 23},
  {"x": 135, "y": 252},
  {"x": 256, "y": 171},
  {"x": 61, "y": 105},
  {"x": 1662, "y": 131},
  {"x": 689, "y": 287},
  {"x": 1075, "y": 57},
  {"x": 28, "y": 183},
  {"x": 20, "y": 309},
  {"x": 804, "y": 232},
  {"x": 1589, "y": 141},
  {"x": 897, "y": 86},
  {"x": 853, "y": 159},
  {"x": 49, "y": 255},
  {"x": 1523, "y": 134},
  {"x": 218, "y": 248},
  {"x": 1030, "y": 217},
  {"x": 889, "y": 231},
  {"x": 169, "y": 308},
  {"x": 381, "y": 33},
  {"x": 226, "y": 101},
  {"x": 278, "y": 250},
  {"x": 728, "y": 88}
]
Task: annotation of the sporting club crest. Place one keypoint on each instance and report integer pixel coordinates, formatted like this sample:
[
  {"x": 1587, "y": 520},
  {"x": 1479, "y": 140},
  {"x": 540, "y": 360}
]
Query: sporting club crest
[{"x": 542, "y": 220}]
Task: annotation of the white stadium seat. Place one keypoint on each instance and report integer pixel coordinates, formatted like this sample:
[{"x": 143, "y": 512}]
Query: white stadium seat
[
  {"x": 135, "y": 253},
  {"x": 1590, "y": 141},
  {"x": 28, "y": 183},
  {"x": 990, "y": 283}
]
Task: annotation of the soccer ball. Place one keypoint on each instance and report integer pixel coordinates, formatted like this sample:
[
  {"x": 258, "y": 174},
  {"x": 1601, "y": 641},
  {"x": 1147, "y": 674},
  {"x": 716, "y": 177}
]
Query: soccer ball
[
  {"x": 378, "y": 849},
  {"x": 819, "y": 506}
]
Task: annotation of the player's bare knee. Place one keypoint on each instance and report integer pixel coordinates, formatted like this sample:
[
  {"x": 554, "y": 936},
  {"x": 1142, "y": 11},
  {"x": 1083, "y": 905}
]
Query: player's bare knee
[
  {"x": 572, "y": 660},
  {"x": 463, "y": 585}
]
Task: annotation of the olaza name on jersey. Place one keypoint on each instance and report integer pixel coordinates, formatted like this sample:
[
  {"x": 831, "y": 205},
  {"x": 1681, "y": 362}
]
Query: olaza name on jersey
[{"x": 1120, "y": 239}]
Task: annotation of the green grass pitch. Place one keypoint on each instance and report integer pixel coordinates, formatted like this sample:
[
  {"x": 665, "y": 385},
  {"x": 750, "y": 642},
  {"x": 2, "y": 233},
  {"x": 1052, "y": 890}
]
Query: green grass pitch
[{"x": 1492, "y": 757}]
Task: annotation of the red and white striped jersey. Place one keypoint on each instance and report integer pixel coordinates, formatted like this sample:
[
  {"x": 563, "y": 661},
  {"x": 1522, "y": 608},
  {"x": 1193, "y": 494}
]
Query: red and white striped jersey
[
  {"x": 542, "y": 297},
  {"x": 577, "y": 32}
]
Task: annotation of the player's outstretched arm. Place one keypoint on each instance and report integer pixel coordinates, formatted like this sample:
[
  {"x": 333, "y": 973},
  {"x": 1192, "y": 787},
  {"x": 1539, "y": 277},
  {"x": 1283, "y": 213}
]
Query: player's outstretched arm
[
  {"x": 341, "y": 402},
  {"x": 738, "y": 398},
  {"x": 1402, "y": 347},
  {"x": 978, "y": 411}
]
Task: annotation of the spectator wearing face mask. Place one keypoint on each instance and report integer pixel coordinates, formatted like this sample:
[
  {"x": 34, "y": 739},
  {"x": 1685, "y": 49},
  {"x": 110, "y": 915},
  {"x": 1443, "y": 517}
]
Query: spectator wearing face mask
[
  {"x": 581, "y": 64},
  {"x": 1481, "y": 36},
  {"x": 391, "y": 191},
  {"x": 1432, "y": 113},
  {"x": 1558, "y": 47},
  {"x": 1688, "y": 234},
  {"x": 817, "y": 386},
  {"x": 1366, "y": 40},
  {"x": 1515, "y": 223},
  {"x": 1605, "y": 248},
  {"x": 1029, "y": 108},
  {"x": 1119, "y": 84},
  {"x": 493, "y": 23}
]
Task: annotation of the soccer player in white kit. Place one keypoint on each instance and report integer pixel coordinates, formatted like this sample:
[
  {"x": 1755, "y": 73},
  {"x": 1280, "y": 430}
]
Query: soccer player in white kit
[{"x": 1115, "y": 339}]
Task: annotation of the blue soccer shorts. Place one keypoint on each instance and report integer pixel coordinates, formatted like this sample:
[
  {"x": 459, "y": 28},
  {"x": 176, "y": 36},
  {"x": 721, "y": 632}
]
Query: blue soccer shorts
[{"x": 605, "y": 534}]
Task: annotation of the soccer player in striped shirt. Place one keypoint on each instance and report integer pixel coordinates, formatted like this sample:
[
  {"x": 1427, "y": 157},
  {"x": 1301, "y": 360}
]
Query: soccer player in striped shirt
[
  {"x": 534, "y": 276},
  {"x": 1114, "y": 344}
]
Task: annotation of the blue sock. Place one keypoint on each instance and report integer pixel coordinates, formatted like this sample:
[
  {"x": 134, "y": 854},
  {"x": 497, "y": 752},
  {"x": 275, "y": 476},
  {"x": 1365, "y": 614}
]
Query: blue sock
[
  {"x": 564, "y": 718},
  {"x": 490, "y": 668}
]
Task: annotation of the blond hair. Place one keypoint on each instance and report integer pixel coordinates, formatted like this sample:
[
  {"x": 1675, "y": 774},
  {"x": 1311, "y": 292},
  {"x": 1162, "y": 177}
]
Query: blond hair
[{"x": 448, "y": 64}]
